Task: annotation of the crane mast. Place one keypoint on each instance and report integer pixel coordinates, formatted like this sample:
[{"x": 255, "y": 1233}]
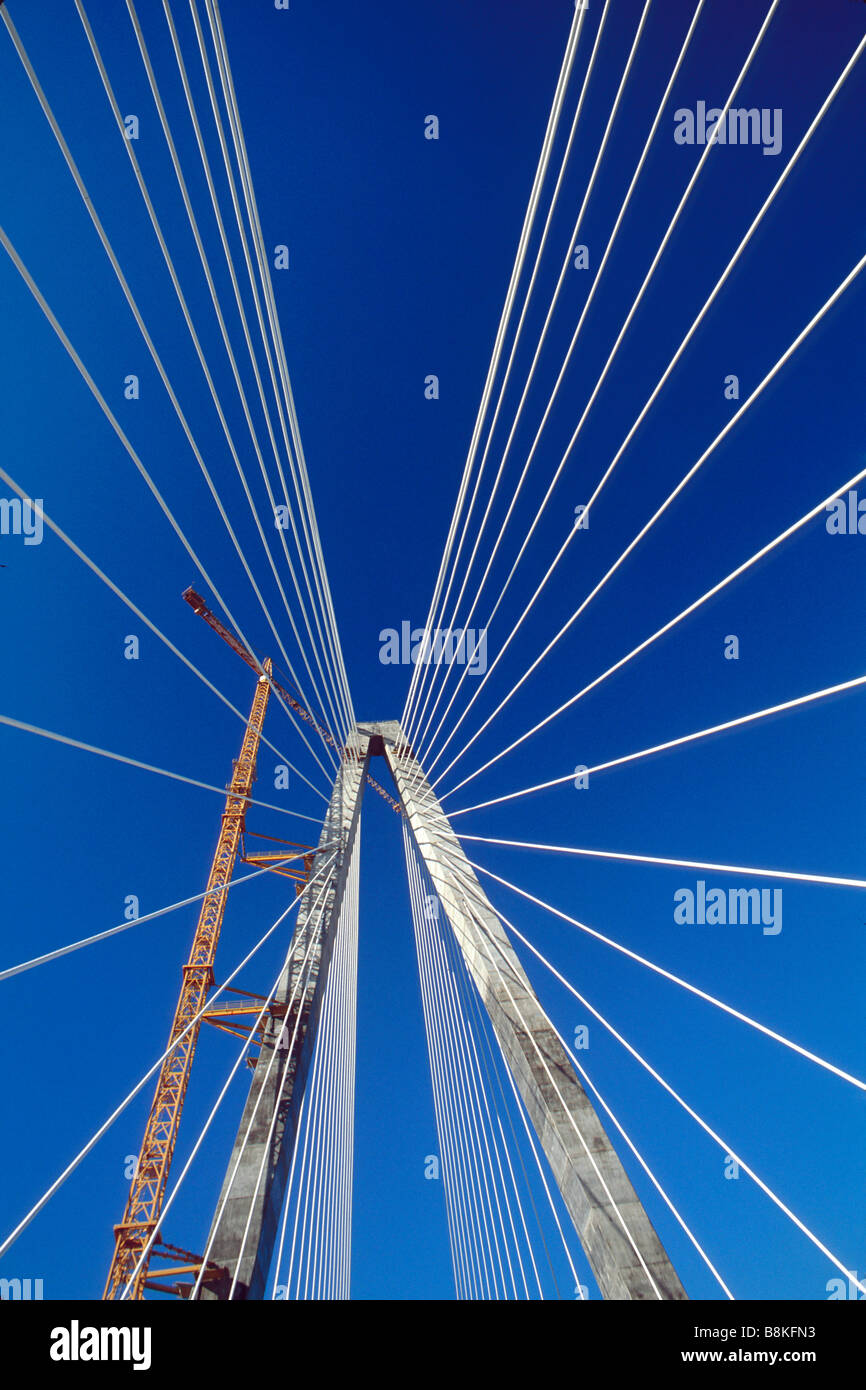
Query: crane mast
[{"x": 147, "y": 1191}]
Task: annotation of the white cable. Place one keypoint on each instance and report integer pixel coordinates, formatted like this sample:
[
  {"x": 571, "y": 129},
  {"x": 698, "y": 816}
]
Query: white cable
[
  {"x": 73, "y": 168},
  {"x": 454, "y": 1216},
  {"x": 413, "y": 728},
  {"x": 456, "y": 1173},
  {"x": 593, "y": 288},
  {"x": 263, "y": 330},
  {"x": 70, "y": 1168},
  {"x": 587, "y": 1151},
  {"x": 274, "y": 1051},
  {"x": 451, "y": 1142},
  {"x": 739, "y": 722},
  {"x": 125, "y": 926},
  {"x": 112, "y": 419},
  {"x": 483, "y": 1162},
  {"x": 289, "y": 1188},
  {"x": 650, "y": 1174},
  {"x": 133, "y": 608},
  {"x": 729, "y": 1152},
  {"x": 420, "y": 736},
  {"x": 677, "y": 980},
  {"x": 155, "y": 92},
  {"x": 145, "y": 767},
  {"x": 236, "y": 288},
  {"x": 520, "y": 256},
  {"x": 834, "y": 880},
  {"x": 633, "y": 430},
  {"x": 628, "y": 1141},
  {"x": 302, "y": 488},
  {"x": 660, "y": 251},
  {"x": 630, "y": 1144},
  {"x": 470, "y": 993},
  {"x": 765, "y": 550},
  {"x": 302, "y": 981},
  {"x": 322, "y": 1185},
  {"x": 311, "y": 1132},
  {"x": 459, "y": 976},
  {"x": 789, "y": 352},
  {"x": 248, "y": 1042},
  {"x": 522, "y": 1113}
]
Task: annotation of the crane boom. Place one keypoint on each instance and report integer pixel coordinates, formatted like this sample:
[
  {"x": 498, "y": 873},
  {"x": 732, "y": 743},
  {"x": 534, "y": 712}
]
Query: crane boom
[{"x": 198, "y": 606}]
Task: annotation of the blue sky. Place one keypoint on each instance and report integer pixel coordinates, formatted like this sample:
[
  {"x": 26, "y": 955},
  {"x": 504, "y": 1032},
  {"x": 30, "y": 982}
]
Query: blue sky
[{"x": 400, "y": 252}]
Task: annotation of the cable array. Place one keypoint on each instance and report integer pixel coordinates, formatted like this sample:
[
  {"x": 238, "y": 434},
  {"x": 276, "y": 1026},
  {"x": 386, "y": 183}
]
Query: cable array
[
  {"x": 314, "y": 1260},
  {"x": 511, "y": 1225},
  {"x": 323, "y": 686},
  {"x": 501, "y": 528},
  {"x": 499, "y": 1245}
]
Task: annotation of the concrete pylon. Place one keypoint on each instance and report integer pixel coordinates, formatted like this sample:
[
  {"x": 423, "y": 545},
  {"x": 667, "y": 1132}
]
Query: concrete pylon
[
  {"x": 621, "y": 1245},
  {"x": 246, "y": 1220}
]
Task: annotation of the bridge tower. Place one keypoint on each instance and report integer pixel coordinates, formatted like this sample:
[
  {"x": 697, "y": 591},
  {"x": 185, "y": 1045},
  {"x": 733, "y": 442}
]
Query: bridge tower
[{"x": 621, "y": 1245}]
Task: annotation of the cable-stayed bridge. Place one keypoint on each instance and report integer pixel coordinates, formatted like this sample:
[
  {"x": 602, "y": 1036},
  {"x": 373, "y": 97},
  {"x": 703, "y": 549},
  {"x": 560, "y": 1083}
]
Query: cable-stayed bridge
[{"x": 548, "y": 1186}]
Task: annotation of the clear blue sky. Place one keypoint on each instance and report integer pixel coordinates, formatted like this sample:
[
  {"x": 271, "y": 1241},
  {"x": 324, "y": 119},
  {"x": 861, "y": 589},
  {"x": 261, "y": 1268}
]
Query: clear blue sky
[{"x": 400, "y": 253}]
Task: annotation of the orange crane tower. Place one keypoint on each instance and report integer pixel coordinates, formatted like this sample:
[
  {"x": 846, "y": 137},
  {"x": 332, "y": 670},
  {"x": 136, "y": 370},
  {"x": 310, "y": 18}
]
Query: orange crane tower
[{"x": 147, "y": 1191}]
